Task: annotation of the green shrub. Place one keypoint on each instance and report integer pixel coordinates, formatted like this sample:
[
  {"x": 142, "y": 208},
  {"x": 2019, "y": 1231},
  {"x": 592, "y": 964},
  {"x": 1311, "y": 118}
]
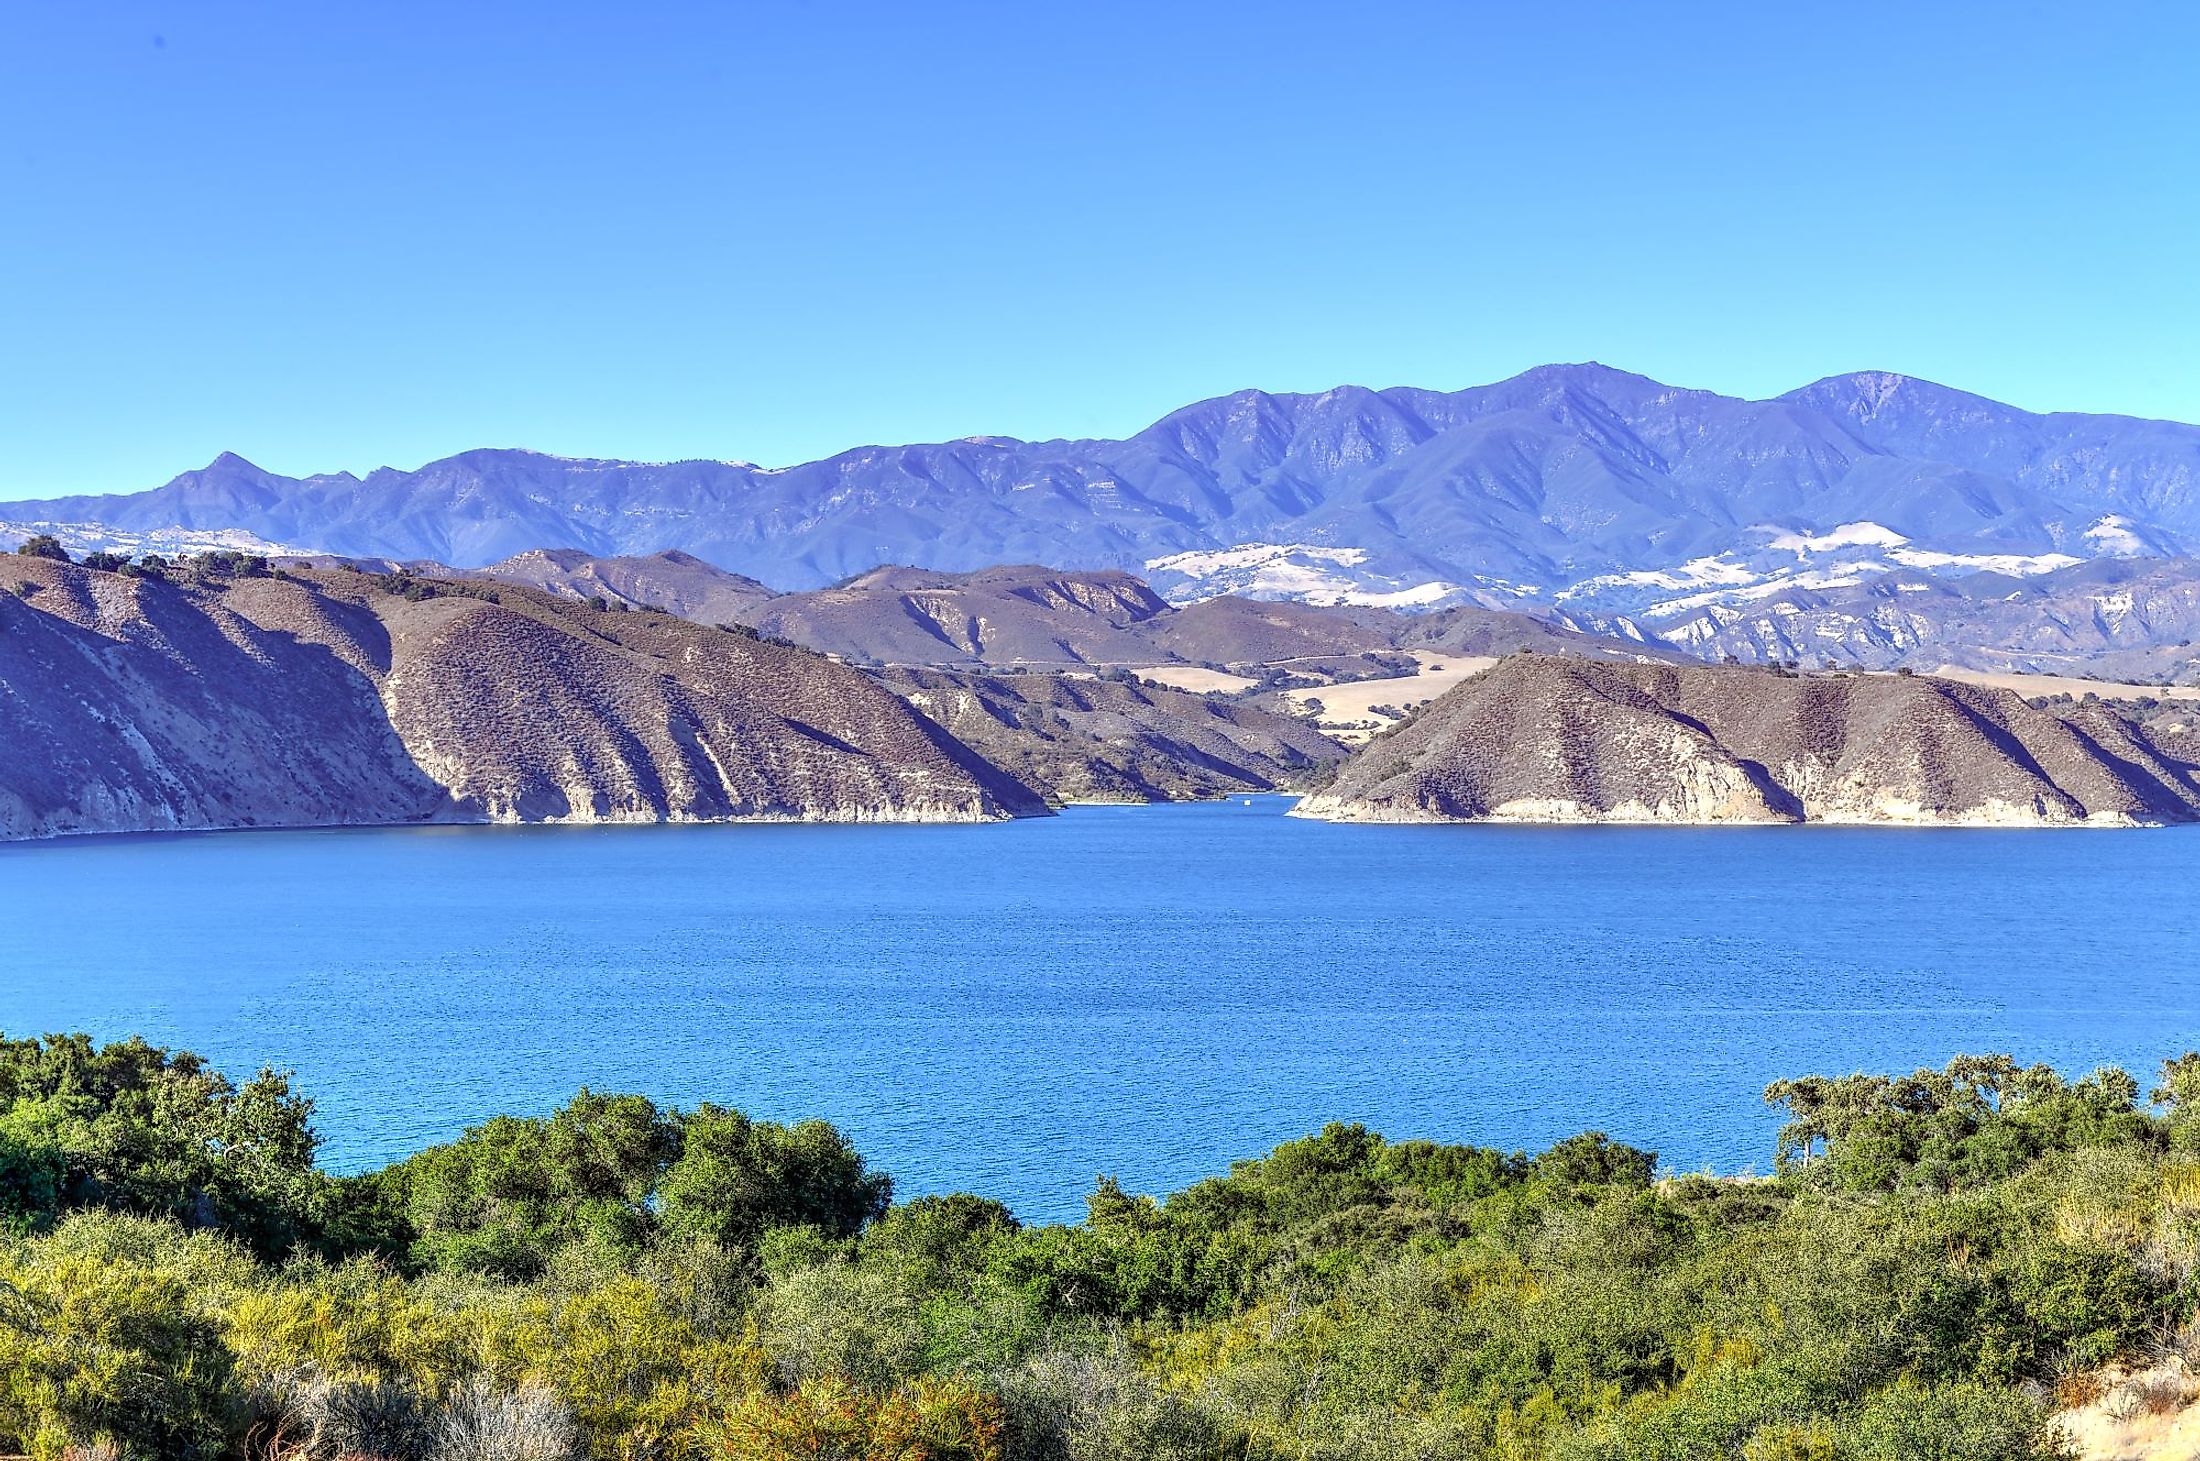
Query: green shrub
[
  {"x": 629, "y": 1280},
  {"x": 102, "y": 1348},
  {"x": 736, "y": 1179},
  {"x": 134, "y": 1128}
]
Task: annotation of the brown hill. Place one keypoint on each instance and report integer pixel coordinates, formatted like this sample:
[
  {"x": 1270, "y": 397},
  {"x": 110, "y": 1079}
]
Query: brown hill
[
  {"x": 1548, "y": 738},
  {"x": 1045, "y": 618},
  {"x": 336, "y": 697},
  {"x": 1235, "y": 631},
  {"x": 678, "y": 583},
  {"x": 1016, "y": 615},
  {"x": 1082, "y": 738},
  {"x": 1468, "y": 630}
]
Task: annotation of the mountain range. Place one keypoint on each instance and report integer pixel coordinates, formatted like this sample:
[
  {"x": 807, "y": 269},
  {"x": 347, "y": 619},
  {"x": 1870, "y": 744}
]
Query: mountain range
[
  {"x": 228, "y": 692},
  {"x": 1569, "y": 487}
]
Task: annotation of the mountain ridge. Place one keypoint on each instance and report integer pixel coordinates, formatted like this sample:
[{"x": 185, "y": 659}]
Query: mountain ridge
[{"x": 1498, "y": 493}]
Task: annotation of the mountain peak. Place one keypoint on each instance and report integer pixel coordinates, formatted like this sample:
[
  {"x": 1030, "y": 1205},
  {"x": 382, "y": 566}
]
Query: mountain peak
[
  {"x": 1867, "y": 395},
  {"x": 228, "y": 492},
  {"x": 1568, "y": 386},
  {"x": 1593, "y": 370},
  {"x": 1586, "y": 374}
]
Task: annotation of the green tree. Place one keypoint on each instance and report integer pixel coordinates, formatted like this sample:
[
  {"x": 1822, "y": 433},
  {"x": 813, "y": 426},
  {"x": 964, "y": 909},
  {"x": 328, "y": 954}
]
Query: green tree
[
  {"x": 737, "y": 1178},
  {"x": 2179, "y": 1093},
  {"x": 1980, "y": 1118},
  {"x": 136, "y": 1128},
  {"x": 2180, "y": 1087},
  {"x": 43, "y": 545},
  {"x": 509, "y": 1194},
  {"x": 1594, "y": 1159}
]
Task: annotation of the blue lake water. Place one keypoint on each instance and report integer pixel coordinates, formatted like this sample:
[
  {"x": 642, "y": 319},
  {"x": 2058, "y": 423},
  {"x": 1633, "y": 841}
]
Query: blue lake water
[{"x": 1144, "y": 991}]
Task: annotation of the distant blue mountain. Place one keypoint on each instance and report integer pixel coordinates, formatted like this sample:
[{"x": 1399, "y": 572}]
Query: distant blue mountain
[{"x": 1563, "y": 474}]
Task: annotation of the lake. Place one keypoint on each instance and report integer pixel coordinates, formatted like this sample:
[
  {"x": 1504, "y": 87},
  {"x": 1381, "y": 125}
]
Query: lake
[{"x": 1144, "y": 991}]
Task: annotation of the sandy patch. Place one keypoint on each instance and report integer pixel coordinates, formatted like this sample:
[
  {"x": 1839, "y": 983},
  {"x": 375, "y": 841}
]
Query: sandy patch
[
  {"x": 2035, "y": 685},
  {"x": 1196, "y": 678},
  {"x": 2150, "y": 1416},
  {"x": 1348, "y": 710}
]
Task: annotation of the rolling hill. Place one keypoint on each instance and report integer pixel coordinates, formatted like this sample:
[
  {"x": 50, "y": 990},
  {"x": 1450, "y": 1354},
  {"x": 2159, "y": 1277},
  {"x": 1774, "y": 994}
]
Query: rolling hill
[
  {"x": 1541, "y": 738},
  {"x": 1116, "y": 738},
  {"x": 1029, "y": 617}
]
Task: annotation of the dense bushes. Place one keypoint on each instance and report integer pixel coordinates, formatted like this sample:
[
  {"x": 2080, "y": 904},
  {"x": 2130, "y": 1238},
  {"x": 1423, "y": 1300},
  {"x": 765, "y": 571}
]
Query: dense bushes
[
  {"x": 132, "y": 1128},
  {"x": 626, "y": 1280},
  {"x": 217, "y": 563},
  {"x": 1979, "y": 1119},
  {"x": 614, "y": 1174}
]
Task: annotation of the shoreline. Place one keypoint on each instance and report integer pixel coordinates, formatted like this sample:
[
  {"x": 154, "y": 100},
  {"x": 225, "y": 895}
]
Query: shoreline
[{"x": 1295, "y": 812}]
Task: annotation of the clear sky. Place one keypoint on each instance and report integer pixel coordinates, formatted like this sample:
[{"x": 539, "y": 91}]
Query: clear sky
[{"x": 338, "y": 236}]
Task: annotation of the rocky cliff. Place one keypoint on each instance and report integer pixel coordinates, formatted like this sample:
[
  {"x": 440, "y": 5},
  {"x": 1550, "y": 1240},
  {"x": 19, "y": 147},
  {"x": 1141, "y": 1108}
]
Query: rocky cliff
[
  {"x": 1548, "y": 738},
  {"x": 132, "y": 703}
]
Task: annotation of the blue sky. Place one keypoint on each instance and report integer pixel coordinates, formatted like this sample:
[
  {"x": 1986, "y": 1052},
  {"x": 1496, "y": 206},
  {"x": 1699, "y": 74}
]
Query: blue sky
[{"x": 342, "y": 236}]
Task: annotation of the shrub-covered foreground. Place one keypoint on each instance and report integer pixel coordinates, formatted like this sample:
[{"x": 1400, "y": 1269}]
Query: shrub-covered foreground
[{"x": 1936, "y": 1256}]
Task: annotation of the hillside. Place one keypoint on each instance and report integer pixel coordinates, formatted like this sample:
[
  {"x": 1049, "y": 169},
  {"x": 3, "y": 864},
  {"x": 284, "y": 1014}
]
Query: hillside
[
  {"x": 1117, "y": 739},
  {"x": 1565, "y": 480},
  {"x": 678, "y": 583},
  {"x": 1541, "y": 738},
  {"x": 1229, "y": 630},
  {"x": 1468, "y": 630},
  {"x": 1008, "y": 615},
  {"x": 336, "y": 697}
]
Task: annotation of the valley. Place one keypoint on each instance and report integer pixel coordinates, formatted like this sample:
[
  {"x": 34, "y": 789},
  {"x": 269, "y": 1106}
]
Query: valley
[{"x": 1351, "y": 712}]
